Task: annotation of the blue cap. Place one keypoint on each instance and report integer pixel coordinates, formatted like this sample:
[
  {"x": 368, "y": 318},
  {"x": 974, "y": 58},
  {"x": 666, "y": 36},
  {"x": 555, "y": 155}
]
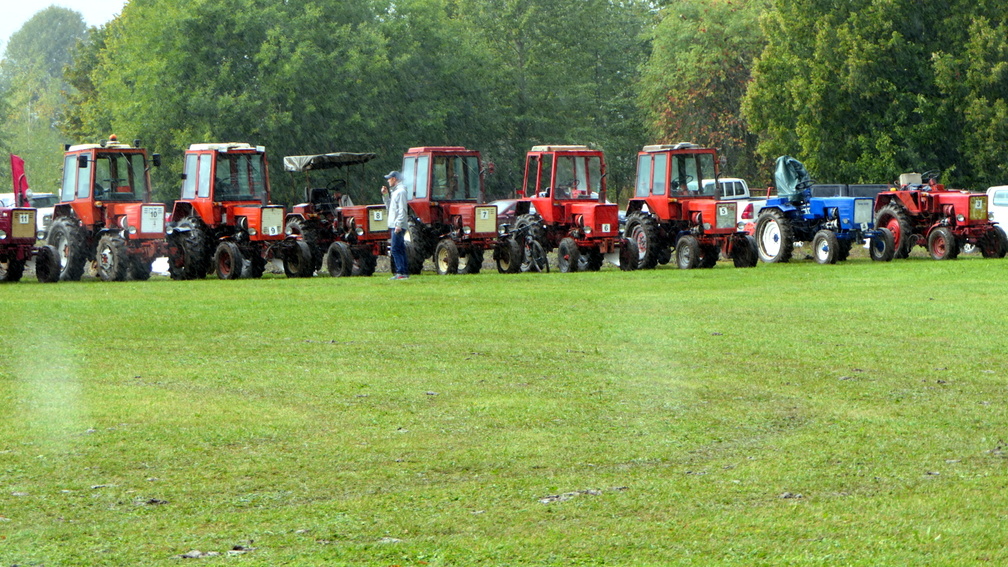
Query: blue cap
[{"x": 395, "y": 174}]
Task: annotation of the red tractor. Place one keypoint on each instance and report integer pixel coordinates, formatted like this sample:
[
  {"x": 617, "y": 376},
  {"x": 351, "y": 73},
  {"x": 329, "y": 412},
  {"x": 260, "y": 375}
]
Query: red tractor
[
  {"x": 105, "y": 213},
  {"x": 350, "y": 237},
  {"x": 448, "y": 220},
  {"x": 923, "y": 212},
  {"x": 224, "y": 221},
  {"x": 564, "y": 207},
  {"x": 18, "y": 235},
  {"x": 676, "y": 206}
]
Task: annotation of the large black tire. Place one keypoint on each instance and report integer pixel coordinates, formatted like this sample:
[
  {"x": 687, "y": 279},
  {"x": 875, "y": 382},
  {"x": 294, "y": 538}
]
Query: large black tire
[
  {"x": 299, "y": 259},
  {"x": 228, "y": 262},
  {"x": 415, "y": 258},
  {"x": 896, "y": 218},
  {"x": 744, "y": 252},
  {"x": 364, "y": 262},
  {"x": 643, "y": 230},
  {"x": 112, "y": 258},
  {"x": 534, "y": 222},
  {"x": 309, "y": 232},
  {"x": 629, "y": 258},
  {"x": 254, "y": 265},
  {"x": 69, "y": 240},
  {"x": 993, "y": 244},
  {"x": 709, "y": 255},
  {"x": 568, "y": 256},
  {"x": 591, "y": 260},
  {"x": 472, "y": 262},
  {"x": 844, "y": 248},
  {"x": 664, "y": 255},
  {"x": 687, "y": 252},
  {"x": 942, "y": 244},
  {"x": 508, "y": 256},
  {"x": 774, "y": 236},
  {"x": 535, "y": 259},
  {"x": 11, "y": 270},
  {"x": 339, "y": 260},
  {"x": 419, "y": 245},
  {"x": 446, "y": 257},
  {"x": 825, "y": 247},
  {"x": 882, "y": 248},
  {"x": 193, "y": 255},
  {"x": 139, "y": 268},
  {"x": 47, "y": 268}
]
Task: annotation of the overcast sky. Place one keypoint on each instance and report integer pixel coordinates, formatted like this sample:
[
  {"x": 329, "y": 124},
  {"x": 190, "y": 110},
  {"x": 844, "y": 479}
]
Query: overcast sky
[{"x": 15, "y": 13}]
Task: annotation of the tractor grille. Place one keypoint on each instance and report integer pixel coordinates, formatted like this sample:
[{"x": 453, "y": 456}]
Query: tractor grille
[
  {"x": 486, "y": 220},
  {"x": 23, "y": 225},
  {"x": 978, "y": 208},
  {"x": 152, "y": 219},
  {"x": 272, "y": 221},
  {"x": 725, "y": 214},
  {"x": 863, "y": 211},
  {"x": 377, "y": 219}
]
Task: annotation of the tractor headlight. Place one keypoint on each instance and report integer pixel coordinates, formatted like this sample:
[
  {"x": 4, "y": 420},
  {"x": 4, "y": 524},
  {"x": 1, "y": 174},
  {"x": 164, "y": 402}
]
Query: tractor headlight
[
  {"x": 706, "y": 226},
  {"x": 961, "y": 218},
  {"x": 253, "y": 232},
  {"x": 587, "y": 230},
  {"x": 502, "y": 230},
  {"x": 990, "y": 216},
  {"x": 360, "y": 231},
  {"x": 40, "y": 235},
  {"x": 131, "y": 230},
  {"x": 466, "y": 230},
  {"x": 3, "y": 235},
  {"x": 289, "y": 230},
  {"x": 740, "y": 226}
]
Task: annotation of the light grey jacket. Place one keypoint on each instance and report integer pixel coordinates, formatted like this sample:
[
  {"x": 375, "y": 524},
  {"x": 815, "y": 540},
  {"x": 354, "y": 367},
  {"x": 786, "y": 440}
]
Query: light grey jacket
[{"x": 397, "y": 205}]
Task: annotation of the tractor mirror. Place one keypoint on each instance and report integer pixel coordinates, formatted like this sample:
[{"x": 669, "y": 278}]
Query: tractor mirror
[
  {"x": 82, "y": 161},
  {"x": 156, "y": 160}
]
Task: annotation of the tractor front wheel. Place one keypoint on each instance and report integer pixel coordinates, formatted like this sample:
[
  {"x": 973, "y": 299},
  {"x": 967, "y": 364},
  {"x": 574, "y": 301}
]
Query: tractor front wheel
[
  {"x": 47, "y": 268},
  {"x": 774, "y": 237},
  {"x": 882, "y": 247},
  {"x": 446, "y": 257},
  {"x": 568, "y": 256},
  {"x": 472, "y": 262},
  {"x": 687, "y": 252},
  {"x": 67, "y": 237},
  {"x": 942, "y": 244},
  {"x": 642, "y": 229},
  {"x": 299, "y": 260},
  {"x": 339, "y": 260},
  {"x": 709, "y": 255},
  {"x": 745, "y": 253},
  {"x": 534, "y": 259},
  {"x": 994, "y": 244},
  {"x": 192, "y": 250},
  {"x": 629, "y": 257},
  {"x": 364, "y": 262},
  {"x": 113, "y": 259},
  {"x": 897, "y": 220},
  {"x": 309, "y": 233},
  {"x": 11, "y": 270},
  {"x": 140, "y": 268},
  {"x": 825, "y": 247},
  {"x": 228, "y": 261},
  {"x": 508, "y": 256}
]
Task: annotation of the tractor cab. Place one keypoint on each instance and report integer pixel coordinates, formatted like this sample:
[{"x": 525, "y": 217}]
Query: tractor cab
[
  {"x": 566, "y": 186},
  {"x": 327, "y": 180}
]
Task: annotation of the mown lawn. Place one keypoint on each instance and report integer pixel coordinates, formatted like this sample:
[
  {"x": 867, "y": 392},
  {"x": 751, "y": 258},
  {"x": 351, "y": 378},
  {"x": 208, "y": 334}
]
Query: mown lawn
[{"x": 784, "y": 415}]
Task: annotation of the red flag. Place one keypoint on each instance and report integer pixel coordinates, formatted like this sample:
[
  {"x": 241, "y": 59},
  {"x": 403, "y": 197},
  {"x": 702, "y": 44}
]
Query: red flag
[{"x": 20, "y": 181}]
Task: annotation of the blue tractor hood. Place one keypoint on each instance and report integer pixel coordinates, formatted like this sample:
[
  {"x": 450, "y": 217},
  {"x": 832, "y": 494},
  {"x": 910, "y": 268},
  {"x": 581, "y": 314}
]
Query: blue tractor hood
[{"x": 792, "y": 180}]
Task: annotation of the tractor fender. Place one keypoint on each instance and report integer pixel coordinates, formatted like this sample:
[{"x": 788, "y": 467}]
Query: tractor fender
[
  {"x": 181, "y": 211},
  {"x": 63, "y": 210},
  {"x": 521, "y": 208},
  {"x": 636, "y": 205}
]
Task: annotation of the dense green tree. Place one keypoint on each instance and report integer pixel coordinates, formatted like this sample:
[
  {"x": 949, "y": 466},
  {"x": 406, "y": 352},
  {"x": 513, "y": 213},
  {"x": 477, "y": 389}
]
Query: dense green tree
[
  {"x": 692, "y": 86},
  {"x": 33, "y": 89}
]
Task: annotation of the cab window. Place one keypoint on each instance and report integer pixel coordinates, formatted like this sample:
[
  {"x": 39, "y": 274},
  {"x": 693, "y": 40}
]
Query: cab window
[{"x": 643, "y": 176}]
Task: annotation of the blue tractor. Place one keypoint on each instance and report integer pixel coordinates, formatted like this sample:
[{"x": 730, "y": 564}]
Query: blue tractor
[{"x": 832, "y": 224}]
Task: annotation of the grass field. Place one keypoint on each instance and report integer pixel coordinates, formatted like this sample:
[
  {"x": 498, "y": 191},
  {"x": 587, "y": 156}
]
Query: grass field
[{"x": 784, "y": 415}]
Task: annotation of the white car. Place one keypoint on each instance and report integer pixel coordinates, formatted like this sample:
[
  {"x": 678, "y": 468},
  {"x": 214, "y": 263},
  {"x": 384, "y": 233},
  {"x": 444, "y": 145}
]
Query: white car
[
  {"x": 997, "y": 205},
  {"x": 43, "y": 202}
]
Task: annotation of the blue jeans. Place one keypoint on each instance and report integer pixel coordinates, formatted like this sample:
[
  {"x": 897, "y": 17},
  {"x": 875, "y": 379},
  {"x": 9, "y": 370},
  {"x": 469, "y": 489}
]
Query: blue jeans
[{"x": 399, "y": 252}]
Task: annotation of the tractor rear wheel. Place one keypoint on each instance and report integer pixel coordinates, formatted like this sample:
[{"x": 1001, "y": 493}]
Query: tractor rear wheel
[
  {"x": 709, "y": 254},
  {"x": 687, "y": 252},
  {"x": 11, "y": 270},
  {"x": 897, "y": 220},
  {"x": 309, "y": 233},
  {"x": 472, "y": 262},
  {"x": 825, "y": 247},
  {"x": 446, "y": 257},
  {"x": 192, "y": 250},
  {"x": 508, "y": 256},
  {"x": 882, "y": 248},
  {"x": 629, "y": 258},
  {"x": 774, "y": 237},
  {"x": 47, "y": 264},
  {"x": 535, "y": 227},
  {"x": 942, "y": 244},
  {"x": 228, "y": 261},
  {"x": 364, "y": 262},
  {"x": 744, "y": 252},
  {"x": 68, "y": 238},
  {"x": 113, "y": 259},
  {"x": 568, "y": 256},
  {"x": 339, "y": 260},
  {"x": 994, "y": 244},
  {"x": 643, "y": 230},
  {"x": 299, "y": 260}
]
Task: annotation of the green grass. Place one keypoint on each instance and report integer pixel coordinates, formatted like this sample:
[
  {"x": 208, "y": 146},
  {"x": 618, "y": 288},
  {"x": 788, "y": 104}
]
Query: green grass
[{"x": 785, "y": 415}]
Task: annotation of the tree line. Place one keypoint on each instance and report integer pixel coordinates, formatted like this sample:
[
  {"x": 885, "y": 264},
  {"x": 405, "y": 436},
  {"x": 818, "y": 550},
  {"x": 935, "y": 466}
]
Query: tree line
[{"x": 860, "y": 91}]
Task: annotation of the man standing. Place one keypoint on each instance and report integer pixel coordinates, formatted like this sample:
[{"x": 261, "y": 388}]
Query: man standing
[{"x": 397, "y": 203}]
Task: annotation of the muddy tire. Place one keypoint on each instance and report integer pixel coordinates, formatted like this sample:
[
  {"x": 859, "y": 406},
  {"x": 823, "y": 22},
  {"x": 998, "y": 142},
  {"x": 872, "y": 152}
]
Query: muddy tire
[
  {"x": 825, "y": 247},
  {"x": 364, "y": 262},
  {"x": 942, "y": 244},
  {"x": 568, "y": 256},
  {"x": 472, "y": 262},
  {"x": 994, "y": 244},
  {"x": 339, "y": 260},
  {"x": 446, "y": 257},
  {"x": 882, "y": 248},
  {"x": 11, "y": 270},
  {"x": 508, "y": 256},
  {"x": 309, "y": 233},
  {"x": 664, "y": 255},
  {"x": 629, "y": 258},
  {"x": 299, "y": 260},
  {"x": 896, "y": 219},
  {"x": 47, "y": 264},
  {"x": 774, "y": 237},
  {"x": 687, "y": 252},
  {"x": 745, "y": 253},
  {"x": 69, "y": 241},
  {"x": 643, "y": 230},
  {"x": 113, "y": 259},
  {"x": 193, "y": 255},
  {"x": 591, "y": 260},
  {"x": 228, "y": 262}
]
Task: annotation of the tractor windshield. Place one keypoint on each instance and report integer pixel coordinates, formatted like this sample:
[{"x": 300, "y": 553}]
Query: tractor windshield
[
  {"x": 120, "y": 177},
  {"x": 577, "y": 177},
  {"x": 240, "y": 177},
  {"x": 455, "y": 178},
  {"x": 693, "y": 175}
]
